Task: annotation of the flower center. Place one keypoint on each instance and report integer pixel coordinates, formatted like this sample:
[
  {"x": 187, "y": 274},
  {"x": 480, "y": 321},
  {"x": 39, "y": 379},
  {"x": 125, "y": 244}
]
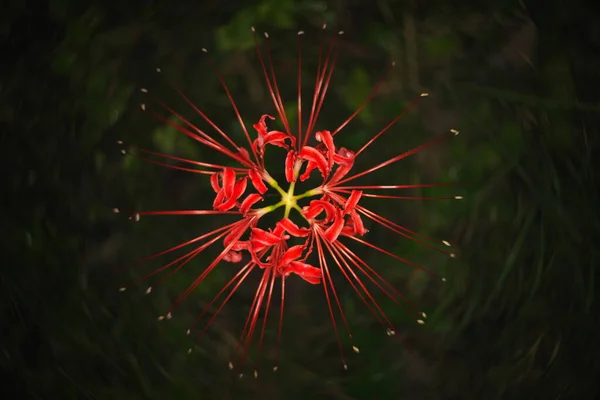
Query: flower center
[{"x": 289, "y": 200}]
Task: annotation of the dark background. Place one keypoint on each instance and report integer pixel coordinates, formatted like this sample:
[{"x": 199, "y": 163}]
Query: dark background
[{"x": 517, "y": 317}]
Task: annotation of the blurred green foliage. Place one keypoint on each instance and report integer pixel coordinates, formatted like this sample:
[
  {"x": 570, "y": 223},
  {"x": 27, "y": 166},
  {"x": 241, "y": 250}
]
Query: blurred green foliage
[{"x": 517, "y": 316}]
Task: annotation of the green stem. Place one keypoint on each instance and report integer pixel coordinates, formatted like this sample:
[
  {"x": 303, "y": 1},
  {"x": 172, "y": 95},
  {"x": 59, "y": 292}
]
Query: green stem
[
  {"x": 273, "y": 183},
  {"x": 271, "y": 208},
  {"x": 309, "y": 193}
]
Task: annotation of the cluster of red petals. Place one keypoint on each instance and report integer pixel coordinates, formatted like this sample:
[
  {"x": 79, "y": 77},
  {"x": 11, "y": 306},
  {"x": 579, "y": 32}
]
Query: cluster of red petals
[
  {"x": 282, "y": 249},
  {"x": 229, "y": 190},
  {"x": 285, "y": 260},
  {"x": 275, "y": 138},
  {"x": 340, "y": 219},
  {"x": 326, "y": 217},
  {"x": 322, "y": 157}
]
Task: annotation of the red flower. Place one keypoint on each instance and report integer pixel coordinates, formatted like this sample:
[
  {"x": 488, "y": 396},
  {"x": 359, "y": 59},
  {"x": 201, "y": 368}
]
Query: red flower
[{"x": 331, "y": 219}]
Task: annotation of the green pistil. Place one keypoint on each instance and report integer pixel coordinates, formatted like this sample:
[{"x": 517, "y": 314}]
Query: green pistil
[{"x": 288, "y": 199}]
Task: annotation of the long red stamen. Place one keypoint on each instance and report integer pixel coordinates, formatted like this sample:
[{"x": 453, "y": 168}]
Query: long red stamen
[
  {"x": 233, "y": 105},
  {"x": 381, "y": 196},
  {"x": 199, "y": 136},
  {"x": 325, "y": 270},
  {"x": 390, "y": 187},
  {"x": 243, "y": 226},
  {"x": 299, "y": 133},
  {"x": 389, "y": 125},
  {"x": 280, "y": 325},
  {"x": 427, "y": 145},
  {"x": 325, "y": 70},
  {"x": 271, "y": 80},
  {"x": 184, "y": 260},
  {"x": 162, "y": 164},
  {"x": 407, "y": 233},
  {"x": 339, "y": 254},
  {"x": 184, "y": 244},
  {"x": 218, "y": 167},
  {"x": 250, "y": 326},
  {"x": 207, "y": 119},
  {"x": 371, "y": 95},
  {"x": 265, "y": 315},
  {"x": 399, "y": 229},
  {"x": 240, "y": 277},
  {"x": 187, "y": 212}
]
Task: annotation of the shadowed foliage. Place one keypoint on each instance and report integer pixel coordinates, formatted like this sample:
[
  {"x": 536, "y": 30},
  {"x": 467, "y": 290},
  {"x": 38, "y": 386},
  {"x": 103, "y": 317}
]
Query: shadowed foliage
[{"x": 517, "y": 316}]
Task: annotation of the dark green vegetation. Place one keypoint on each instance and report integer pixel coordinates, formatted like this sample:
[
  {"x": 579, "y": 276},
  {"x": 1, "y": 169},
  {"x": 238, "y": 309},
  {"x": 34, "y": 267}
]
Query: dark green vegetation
[{"x": 518, "y": 315}]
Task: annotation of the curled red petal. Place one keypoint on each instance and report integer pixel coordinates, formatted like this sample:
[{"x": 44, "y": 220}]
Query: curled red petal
[
  {"x": 316, "y": 207},
  {"x": 261, "y": 236},
  {"x": 310, "y": 166},
  {"x": 339, "y": 173},
  {"x": 214, "y": 182},
  {"x": 345, "y": 160},
  {"x": 290, "y": 227},
  {"x": 290, "y": 159},
  {"x": 257, "y": 247},
  {"x": 257, "y": 182},
  {"x": 241, "y": 245},
  {"x": 265, "y": 137},
  {"x": 292, "y": 254},
  {"x": 238, "y": 190},
  {"x": 233, "y": 257},
  {"x": 311, "y": 154},
  {"x": 357, "y": 223},
  {"x": 257, "y": 145},
  {"x": 219, "y": 199},
  {"x": 228, "y": 181},
  {"x": 348, "y": 230},
  {"x": 279, "y": 230},
  {"x": 352, "y": 201},
  {"x": 261, "y": 125},
  {"x": 326, "y": 138},
  {"x": 344, "y": 157},
  {"x": 333, "y": 232},
  {"x": 305, "y": 271},
  {"x": 249, "y": 201},
  {"x": 276, "y": 138}
]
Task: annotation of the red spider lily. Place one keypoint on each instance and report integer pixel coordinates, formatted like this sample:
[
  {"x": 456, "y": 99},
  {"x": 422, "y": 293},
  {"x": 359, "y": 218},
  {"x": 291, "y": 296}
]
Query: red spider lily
[{"x": 331, "y": 219}]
